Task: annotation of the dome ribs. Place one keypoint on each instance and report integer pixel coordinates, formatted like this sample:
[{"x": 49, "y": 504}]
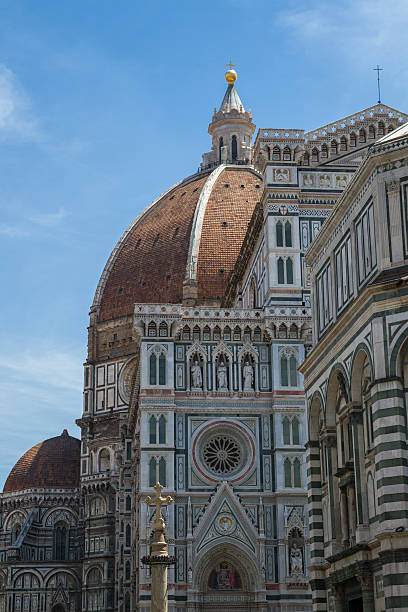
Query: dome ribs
[
  {"x": 156, "y": 248},
  {"x": 225, "y": 225}
]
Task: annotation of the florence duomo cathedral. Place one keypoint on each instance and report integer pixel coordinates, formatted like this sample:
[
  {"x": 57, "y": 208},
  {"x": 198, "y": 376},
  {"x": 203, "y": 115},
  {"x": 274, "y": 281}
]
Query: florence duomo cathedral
[{"x": 200, "y": 322}]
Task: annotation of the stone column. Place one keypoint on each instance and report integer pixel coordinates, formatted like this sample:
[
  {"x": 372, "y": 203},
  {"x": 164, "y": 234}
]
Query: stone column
[
  {"x": 367, "y": 590},
  {"x": 159, "y": 559},
  {"x": 338, "y": 593},
  {"x": 344, "y": 517}
]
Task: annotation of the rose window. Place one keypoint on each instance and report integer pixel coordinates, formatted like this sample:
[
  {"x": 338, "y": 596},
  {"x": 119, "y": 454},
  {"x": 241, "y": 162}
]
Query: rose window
[{"x": 222, "y": 454}]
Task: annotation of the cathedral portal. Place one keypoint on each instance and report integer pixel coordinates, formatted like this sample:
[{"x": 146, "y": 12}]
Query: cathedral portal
[{"x": 227, "y": 579}]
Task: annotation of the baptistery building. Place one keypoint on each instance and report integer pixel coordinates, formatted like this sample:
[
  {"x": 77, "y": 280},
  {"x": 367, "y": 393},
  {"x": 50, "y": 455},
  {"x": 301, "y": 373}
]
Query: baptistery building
[{"x": 199, "y": 324}]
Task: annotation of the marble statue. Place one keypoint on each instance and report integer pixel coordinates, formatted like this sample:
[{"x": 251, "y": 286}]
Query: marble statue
[
  {"x": 296, "y": 561},
  {"x": 196, "y": 376},
  {"x": 248, "y": 373},
  {"x": 222, "y": 377}
]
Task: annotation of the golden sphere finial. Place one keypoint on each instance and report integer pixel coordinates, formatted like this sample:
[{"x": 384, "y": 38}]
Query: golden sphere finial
[{"x": 230, "y": 75}]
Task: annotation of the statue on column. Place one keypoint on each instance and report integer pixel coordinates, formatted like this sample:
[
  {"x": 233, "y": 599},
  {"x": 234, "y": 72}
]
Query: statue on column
[
  {"x": 222, "y": 377},
  {"x": 248, "y": 375},
  {"x": 196, "y": 375}
]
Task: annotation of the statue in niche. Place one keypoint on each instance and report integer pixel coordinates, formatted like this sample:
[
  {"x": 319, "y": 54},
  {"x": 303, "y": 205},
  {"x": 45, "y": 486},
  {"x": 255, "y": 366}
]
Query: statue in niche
[
  {"x": 296, "y": 559},
  {"x": 222, "y": 378},
  {"x": 308, "y": 180},
  {"x": 248, "y": 374},
  {"x": 196, "y": 375},
  {"x": 341, "y": 181}
]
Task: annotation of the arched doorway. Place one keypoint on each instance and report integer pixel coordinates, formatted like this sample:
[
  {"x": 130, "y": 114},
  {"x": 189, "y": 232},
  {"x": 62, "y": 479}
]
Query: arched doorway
[
  {"x": 226, "y": 578},
  {"x": 59, "y": 608}
]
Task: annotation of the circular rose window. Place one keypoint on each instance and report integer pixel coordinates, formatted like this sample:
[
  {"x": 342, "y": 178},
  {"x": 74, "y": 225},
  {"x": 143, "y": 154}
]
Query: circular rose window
[
  {"x": 223, "y": 450},
  {"x": 222, "y": 454}
]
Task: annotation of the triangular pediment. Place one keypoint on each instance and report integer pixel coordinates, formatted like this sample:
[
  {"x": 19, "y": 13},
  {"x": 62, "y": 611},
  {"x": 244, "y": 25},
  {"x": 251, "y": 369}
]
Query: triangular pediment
[{"x": 225, "y": 520}]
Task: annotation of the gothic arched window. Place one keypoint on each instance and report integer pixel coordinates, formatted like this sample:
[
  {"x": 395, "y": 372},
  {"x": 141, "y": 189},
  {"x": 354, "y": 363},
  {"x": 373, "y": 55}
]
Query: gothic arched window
[
  {"x": 152, "y": 430},
  {"x": 293, "y": 371},
  {"x": 390, "y": 128},
  {"x": 152, "y": 329},
  {"x": 128, "y": 535},
  {"x": 162, "y": 369},
  {"x": 371, "y": 132},
  {"x": 276, "y": 153},
  {"x": 288, "y": 234},
  {"x": 152, "y": 472},
  {"x": 289, "y": 271},
  {"x": 353, "y": 139},
  {"x": 60, "y": 541},
  {"x": 287, "y": 470},
  {"x": 295, "y": 431},
  {"x": 234, "y": 148},
  {"x": 362, "y": 136},
  {"x": 162, "y": 471},
  {"x": 286, "y": 430},
  {"x": 334, "y": 147},
  {"x": 297, "y": 480},
  {"x": 163, "y": 329},
  {"x": 286, "y": 154},
  {"x": 162, "y": 430},
  {"x": 281, "y": 271},
  {"x": 315, "y": 155},
  {"x": 325, "y": 152},
  {"x": 152, "y": 365},
  {"x": 343, "y": 143},
  {"x": 284, "y": 371},
  {"x": 381, "y": 129},
  {"x": 127, "y": 570},
  {"x": 279, "y": 234}
]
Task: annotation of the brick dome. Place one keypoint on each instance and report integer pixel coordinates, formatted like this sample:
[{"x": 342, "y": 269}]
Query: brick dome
[
  {"x": 193, "y": 231},
  {"x": 52, "y": 464}
]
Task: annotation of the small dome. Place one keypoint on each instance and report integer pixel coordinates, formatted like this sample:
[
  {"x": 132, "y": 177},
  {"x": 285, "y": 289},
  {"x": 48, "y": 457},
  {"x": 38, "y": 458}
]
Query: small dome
[{"x": 52, "y": 464}]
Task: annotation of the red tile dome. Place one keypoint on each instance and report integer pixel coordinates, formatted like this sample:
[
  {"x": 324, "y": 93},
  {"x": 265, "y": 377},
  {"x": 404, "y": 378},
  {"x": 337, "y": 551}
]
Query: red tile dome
[
  {"x": 52, "y": 464},
  {"x": 199, "y": 223}
]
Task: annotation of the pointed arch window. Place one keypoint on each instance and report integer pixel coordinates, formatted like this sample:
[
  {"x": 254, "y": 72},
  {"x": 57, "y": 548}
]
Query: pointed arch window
[
  {"x": 297, "y": 481},
  {"x": 362, "y": 136},
  {"x": 325, "y": 152},
  {"x": 152, "y": 329},
  {"x": 288, "y": 234},
  {"x": 343, "y": 143},
  {"x": 286, "y": 154},
  {"x": 381, "y": 129},
  {"x": 353, "y": 140},
  {"x": 334, "y": 147},
  {"x": 281, "y": 271},
  {"x": 162, "y": 369},
  {"x": 127, "y": 535},
  {"x": 287, "y": 469},
  {"x": 152, "y": 472},
  {"x": 315, "y": 155},
  {"x": 162, "y": 471},
  {"x": 162, "y": 430},
  {"x": 295, "y": 431},
  {"x": 284, "y": 371},
  {"x": 371, "y": 132},
  {"x": 276, "y": 153},
  {"x": 163, "y": 329},
  {"x": 279, "y": 234},
  {"x": 293, "y": 371},
  {"x": 127, "y": 570},
  {"x": 289, "y": 271},
  {"x": 286, "y": 430},
  {"x": 152, "y": 366},
  {"x": 60, "y": 541},
  {"x": 234, "y": 148},
  {"x": 152, "y": 430}
]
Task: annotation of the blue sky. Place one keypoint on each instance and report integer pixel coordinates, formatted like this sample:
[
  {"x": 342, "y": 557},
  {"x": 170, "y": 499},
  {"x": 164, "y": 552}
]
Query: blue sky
[{"x": 103, "y": 105}]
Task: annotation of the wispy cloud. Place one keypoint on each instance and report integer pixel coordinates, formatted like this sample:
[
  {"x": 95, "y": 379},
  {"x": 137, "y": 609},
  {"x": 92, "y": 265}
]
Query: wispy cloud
[
  {"x": 49, "y": 219},
  {"x": 361, "y": 29},
  {"x": 12, "y": 231},
  {"x": 16, "y": 118},
  {"x": 48, "y": 369}
]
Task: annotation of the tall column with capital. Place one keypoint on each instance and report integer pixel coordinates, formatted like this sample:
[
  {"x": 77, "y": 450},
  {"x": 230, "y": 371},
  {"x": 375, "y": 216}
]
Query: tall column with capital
[{"x": 159, "y": 559}]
